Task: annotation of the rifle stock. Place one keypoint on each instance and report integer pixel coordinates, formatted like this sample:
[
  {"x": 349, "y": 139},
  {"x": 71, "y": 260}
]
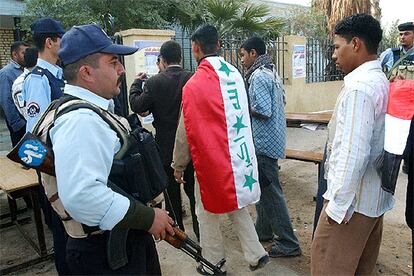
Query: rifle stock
[{"x": 181, "y": 241}]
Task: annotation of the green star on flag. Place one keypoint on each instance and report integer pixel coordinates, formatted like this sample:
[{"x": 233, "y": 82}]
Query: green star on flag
[
  {"x": 239, "y": 124},
  {"x": 224, "y": 68},
  {"x": 249, "y": 181}
]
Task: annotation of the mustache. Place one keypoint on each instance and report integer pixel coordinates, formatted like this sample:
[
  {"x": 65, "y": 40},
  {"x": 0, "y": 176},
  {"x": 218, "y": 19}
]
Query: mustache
[{"x": 121, "y": 79}]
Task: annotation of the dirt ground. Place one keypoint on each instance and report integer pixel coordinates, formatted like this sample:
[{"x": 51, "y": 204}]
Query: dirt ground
[{"x": 299, "y": 180}]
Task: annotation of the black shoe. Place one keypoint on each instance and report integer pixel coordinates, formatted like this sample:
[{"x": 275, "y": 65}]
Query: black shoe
[
  {"x": 261, "y": 263},
  {"x": 276, "y": 253}
]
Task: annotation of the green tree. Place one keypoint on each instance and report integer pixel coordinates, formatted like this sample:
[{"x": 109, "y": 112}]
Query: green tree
[
  {"x": 127, "y": 13},
  {"x": 390, "y": 36},
  {"x": 306, "y": 22},
  {"x": 232, "y": 18}
]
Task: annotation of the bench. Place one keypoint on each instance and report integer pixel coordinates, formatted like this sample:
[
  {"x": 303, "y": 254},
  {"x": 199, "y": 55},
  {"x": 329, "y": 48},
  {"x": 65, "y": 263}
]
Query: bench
[
  {"x": 15, "y": 182},
  {"x": 306, "y": 156},
  {"x": 294, "y": 119}
]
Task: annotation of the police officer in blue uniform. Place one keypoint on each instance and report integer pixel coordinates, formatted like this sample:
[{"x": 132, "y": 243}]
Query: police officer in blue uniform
[
  {"x": 392, "y": 55},
  {"x": 93, "y": 72},
  {"x": 45, "y": 83}
]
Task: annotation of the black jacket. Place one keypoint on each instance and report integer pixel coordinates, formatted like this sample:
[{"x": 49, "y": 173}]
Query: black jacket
[
  {"x": 161, "y": 96},
  {"x": 409, "y": 158}
]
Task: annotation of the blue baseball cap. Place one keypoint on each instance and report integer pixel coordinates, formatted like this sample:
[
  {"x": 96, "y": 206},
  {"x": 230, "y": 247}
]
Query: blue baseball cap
[
  {"x": 47, "y": 26},
  {"x": 85, "y": 40}
]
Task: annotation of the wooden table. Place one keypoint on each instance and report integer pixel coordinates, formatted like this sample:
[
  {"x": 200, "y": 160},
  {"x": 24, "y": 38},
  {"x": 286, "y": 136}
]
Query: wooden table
[
  {"x": 293, "y": 118},
  {"x": 16, "y": 181}
]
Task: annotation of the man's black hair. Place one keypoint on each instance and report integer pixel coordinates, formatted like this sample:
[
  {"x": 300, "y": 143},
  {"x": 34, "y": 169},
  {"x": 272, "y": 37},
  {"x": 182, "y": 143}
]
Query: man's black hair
[
  {"x": 30, "y": 57},
  {"x": 40, "y": 40},
  {"x": 16, "y": 46},
  {"x": 171, "y": 52},
  {"x": 363, "y": 26},
  {"x": 254, "y": 43},
  {"x": 207, "y": 37}
]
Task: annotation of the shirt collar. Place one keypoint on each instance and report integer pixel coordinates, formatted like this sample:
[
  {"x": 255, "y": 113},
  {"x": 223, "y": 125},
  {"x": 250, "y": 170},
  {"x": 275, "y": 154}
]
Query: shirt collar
[
  {"x": 87, "y": 95},
  {"x": 16, "y": 65},
  {"x": 362, "y": 69},
  {"x": 52, "y": 68},
  {"x": 404, "y": 51}
]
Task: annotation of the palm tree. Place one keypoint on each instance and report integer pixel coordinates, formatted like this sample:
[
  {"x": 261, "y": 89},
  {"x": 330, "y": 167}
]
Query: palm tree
[
  {"x": 232, "y": 18},
  {"x": 337, "y": 10}
]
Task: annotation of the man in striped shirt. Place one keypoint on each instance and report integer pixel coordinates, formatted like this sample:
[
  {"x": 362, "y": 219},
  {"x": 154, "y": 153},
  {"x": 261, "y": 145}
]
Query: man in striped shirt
[{"x": 348, "y": 235}]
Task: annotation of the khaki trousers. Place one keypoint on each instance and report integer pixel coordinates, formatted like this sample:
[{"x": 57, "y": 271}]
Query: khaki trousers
[
  {"x": 211, "y": 239},
  {"x": 346, "y": 249}
]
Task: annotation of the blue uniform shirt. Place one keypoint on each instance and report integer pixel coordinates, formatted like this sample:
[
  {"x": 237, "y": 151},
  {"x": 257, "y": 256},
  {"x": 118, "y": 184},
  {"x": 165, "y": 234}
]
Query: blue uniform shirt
[
  {"x": 84, "y": 146},
  {"x": 387, "y": 57},
  {"x": 37, "y": 92},
  {"x": 266, "y": 98},
  {"x": 8, "y": 74}
]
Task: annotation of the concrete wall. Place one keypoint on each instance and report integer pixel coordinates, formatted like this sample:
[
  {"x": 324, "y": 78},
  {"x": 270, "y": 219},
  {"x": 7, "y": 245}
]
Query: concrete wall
[
  {"x": 129, "y": 36},
  {"x": 6, "y": 40},
  {"x": 302, "y": 96}
]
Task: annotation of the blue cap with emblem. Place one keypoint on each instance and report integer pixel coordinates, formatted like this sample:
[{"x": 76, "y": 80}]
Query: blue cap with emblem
[
  {"x": 47, "y": 26},
  {"x": 85, "y": 40}
]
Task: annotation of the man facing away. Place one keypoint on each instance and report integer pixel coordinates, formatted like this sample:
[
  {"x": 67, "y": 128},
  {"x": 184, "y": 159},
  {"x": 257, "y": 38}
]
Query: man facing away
[
  {"x": 348, "y": 235},
  {"x": 44, "y": 84},
  {"x": 214, "y": 132},
  {"x": 8, "y": 74},
  {"x": 162, "y": 97},
  {"x": 266, "y": 94},
  {"x": 83, "y": 162},
  {"x": 30, "y": 59}
]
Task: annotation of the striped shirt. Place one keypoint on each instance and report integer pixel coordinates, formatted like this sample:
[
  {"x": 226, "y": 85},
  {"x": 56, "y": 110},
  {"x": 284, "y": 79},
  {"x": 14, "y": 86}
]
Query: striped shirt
[{"x": 355, "y": 146}]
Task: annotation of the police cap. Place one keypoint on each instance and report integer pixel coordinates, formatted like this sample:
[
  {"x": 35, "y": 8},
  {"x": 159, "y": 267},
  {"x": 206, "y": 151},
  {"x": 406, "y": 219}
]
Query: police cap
[
  {"x": 47, "y": 26},
  {"x": 85, "y": 40},
  {"x": 407, "y": 26}
]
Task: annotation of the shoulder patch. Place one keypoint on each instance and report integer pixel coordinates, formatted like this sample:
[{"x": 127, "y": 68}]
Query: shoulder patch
[{"x": 33, "y": 109}]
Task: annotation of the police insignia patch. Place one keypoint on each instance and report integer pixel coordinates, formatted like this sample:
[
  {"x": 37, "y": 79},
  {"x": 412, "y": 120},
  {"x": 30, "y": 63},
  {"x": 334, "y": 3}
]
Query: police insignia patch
[
  {"x": 33, "y": 109},
  {"x": 32, "y": 153}
]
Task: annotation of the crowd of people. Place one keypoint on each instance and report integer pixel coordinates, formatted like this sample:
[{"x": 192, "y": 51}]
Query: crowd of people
[{"x": 220, "y": 136}]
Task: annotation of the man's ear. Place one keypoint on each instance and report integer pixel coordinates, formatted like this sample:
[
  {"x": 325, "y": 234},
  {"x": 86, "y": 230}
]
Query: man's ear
[
  {"x": 14, "y": 55},
  {"x": 85, "y": 73},
  {"x": 253, "y": 53},
  {"x": 356, "y": 44},
  {"x": 48, "y": 43}
]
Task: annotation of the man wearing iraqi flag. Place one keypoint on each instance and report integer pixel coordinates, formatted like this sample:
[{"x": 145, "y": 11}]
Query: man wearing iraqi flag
[{"x": 215, "y": 132}]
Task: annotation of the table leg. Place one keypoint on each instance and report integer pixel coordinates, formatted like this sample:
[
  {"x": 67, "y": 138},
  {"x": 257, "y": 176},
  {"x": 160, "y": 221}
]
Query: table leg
[{"x": 34, "y": 193}]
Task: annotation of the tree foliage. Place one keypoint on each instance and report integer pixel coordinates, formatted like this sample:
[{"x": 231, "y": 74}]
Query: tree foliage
[
  {"x": 306, "y": 22},
  {"x": 232, "y": 18},
  {"x": 127, "y": 13},
  {"x": 390, "y": 37}
]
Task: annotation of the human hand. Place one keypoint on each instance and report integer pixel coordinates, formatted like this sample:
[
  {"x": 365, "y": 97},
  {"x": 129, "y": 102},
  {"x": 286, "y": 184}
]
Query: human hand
[
  {"x": 144, "y": 114},
  {"x": 161, "y": 225},
  {"x": 179, "y": 176},
  {"x": 141, "y": 76}
]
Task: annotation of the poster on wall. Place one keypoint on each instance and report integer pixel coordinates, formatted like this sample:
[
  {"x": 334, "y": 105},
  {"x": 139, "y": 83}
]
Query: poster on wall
[
  {"x": 146, "y": 56},
  {"x": 299, "y": 61},
  {"x": 146, "y": 61}
]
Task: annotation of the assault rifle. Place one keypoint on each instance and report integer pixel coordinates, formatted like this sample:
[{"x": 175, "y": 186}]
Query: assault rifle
[{"x": 181, "y": 241}]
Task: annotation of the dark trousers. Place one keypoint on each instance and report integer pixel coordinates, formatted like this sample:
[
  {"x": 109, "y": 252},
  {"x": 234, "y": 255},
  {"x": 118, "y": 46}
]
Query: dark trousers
[
  {"x": 272, "y": 212},
  {"x": 174, "y": 193},
  {"x": 15, "y": 136},
  {"x": 88, "y": 256},
  {"x": 322, "y": 187}
]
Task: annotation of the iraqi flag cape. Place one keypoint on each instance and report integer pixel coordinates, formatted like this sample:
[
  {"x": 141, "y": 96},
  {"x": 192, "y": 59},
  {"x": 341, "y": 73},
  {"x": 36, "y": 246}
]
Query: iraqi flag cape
[
  {"x": 217, "y": 123},
  {"x": 400, "y": 111}
]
